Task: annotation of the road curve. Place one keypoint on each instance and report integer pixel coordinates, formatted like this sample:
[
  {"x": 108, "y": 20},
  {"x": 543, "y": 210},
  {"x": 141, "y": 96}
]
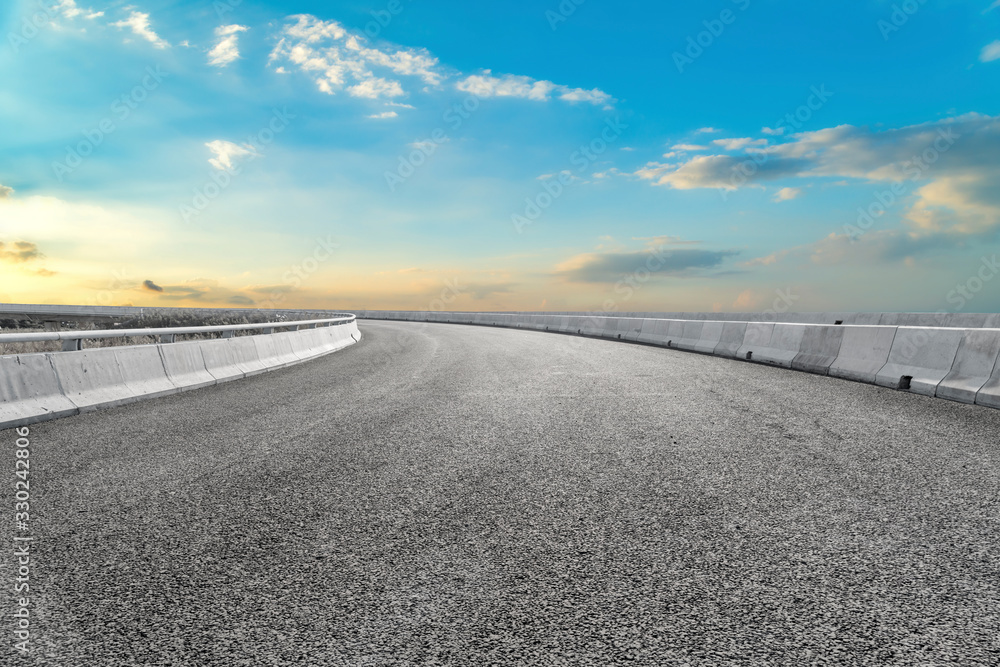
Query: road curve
[{"x": 450, "y": 495}]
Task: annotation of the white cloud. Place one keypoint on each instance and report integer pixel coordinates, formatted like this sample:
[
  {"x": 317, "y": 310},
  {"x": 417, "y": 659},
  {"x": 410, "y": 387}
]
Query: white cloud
[
  {"x": 564, "y": 175},
  {"x": 338, "y": 60},
  {"x": 69, "y": 9},
  {"x": 138, "y": 22},
  {"x": 773, "y": 131},
  {"x": 384, "y": 114},
  {"x": 654, "y": 171},
  {"x": 375, "y": 87},
  {"x": 852, "y": 152},
  {"x": 787, "y": 194},
  {"x": 990, "y": 52},
  {"x": 524, "y": 87},
  {"x": 940, "y": 176},
  {"x": 737, "y": 144},
  {"x": 689, "y": 147},
  {"x": 5, "y": 191},
  {"x": 707, "y": 130},
  {"x": 993, "y": 6},
  {"x": 227, "y": 49},
  {"x": 593, "y": 96},
  {"x": 226, "y": 151}
]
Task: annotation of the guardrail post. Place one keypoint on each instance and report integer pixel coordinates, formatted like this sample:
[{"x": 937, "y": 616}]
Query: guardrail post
[
  {"x": 228, "y": 334},
  {"x": 167, "y": 338},
  {"x": 269, "y": 330},
  {"x": 72, "y": 345}
]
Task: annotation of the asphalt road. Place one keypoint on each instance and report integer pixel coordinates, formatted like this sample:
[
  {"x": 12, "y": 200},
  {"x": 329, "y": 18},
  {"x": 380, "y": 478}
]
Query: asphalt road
[{"x": 449, "y": 495}]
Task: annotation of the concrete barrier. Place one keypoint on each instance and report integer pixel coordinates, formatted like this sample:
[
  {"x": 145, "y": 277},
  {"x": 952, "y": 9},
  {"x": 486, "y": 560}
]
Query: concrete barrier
[
  {"x": 185, "y": 365},
  {"x": 711, "y": 335},
  {"x": 652, "y": 331},
  {"x": 974, "y": 364},
  {"x": 673, "y": 331},
  {"x": 307, "y": 343},
  {"x": 782, "y": 346},
  {"x": 929, "y": 353},
  {"x": 631, "y": 329},
  {"x": 30, "y": 391},
  {"x": 246, "y": 356},
  {"x": 142, "y": 369},
  {"x": 221, "y": 361},
  {"x": 38, "y": 387},
  {"x": 614, "y": 328},
  {"x": 690, "y": 335},
  {"x": 756, "y": 338},
  {"x": 731, "y": 339},
  {"x": 818, "y": 348},
  {"x": 283, "y": 343},
  {"x": 864, "y": 351},
  {"x": 267, "y": 352},
  {"x": 989, "y": 394},
  {"x": 91, "y": 378},
  {"x": 920, "y": 356},
  {"x": 591, "y": 326}
]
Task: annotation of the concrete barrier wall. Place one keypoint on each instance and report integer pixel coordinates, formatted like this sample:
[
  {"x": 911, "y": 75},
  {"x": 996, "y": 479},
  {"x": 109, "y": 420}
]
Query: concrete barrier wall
[
  {"x": 731, "y": 339},
  {"x": 91, "y": 378},
  {"x": 143, "y": 371},
  {"x": 30, "y": 391},
  {"x": 960, "y": 363},
  {"x": 945, "y": 320},
  {"x": 864, "y": 350},
  {"x": 819, "y": 348},
  {"x": 923, "y": 355},
  {"x": 975, "y": 362},
  {"x": 38, "y": 387}
]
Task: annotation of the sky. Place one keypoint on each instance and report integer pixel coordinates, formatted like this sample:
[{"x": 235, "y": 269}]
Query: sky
[{"x": 581, "y": 155}]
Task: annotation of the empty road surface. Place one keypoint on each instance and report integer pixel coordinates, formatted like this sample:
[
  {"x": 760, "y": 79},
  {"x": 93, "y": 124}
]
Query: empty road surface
[{"x": 449, "y": 495}]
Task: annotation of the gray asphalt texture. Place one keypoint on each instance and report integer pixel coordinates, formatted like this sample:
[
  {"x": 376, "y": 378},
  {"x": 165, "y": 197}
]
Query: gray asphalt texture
[{"x": 451, "y": 495}]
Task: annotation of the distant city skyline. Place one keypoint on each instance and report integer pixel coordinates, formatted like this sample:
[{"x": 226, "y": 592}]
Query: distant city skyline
[{"x": 541, "y": 155}]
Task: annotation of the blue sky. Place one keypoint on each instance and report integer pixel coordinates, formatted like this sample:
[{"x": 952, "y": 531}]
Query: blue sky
[{"x": 587, "y": 155}]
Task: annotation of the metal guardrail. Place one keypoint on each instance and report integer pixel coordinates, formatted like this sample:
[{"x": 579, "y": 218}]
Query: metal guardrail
[{"x": 72, "y": 340}]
